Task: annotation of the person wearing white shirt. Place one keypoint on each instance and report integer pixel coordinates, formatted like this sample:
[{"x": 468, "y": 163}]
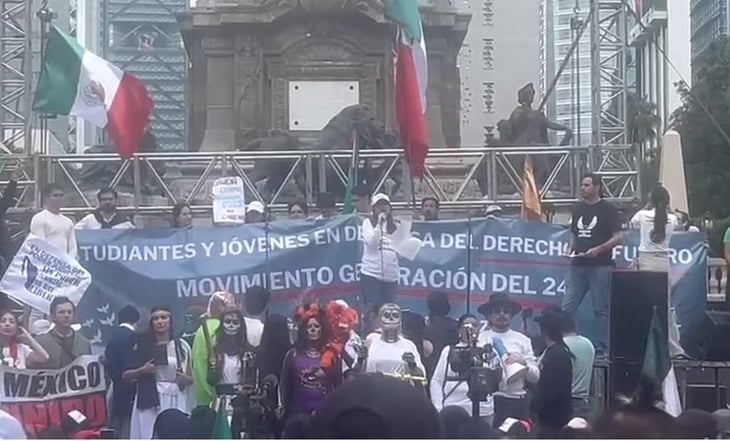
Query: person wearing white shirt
[
  {"x": 390, "y": 353},
  {"x": 10, "y": 428},
  {"x": 106, "y": 215},
  {"x": 446, "y": 392},
  {"x": 255, "y": 303},
  {"x": 50, "y": 225},
  {"x": 511, "y": 399},
  {"x": 656, "y": 225},
  {"x": 17, "y": 346},
  {"x": 380, "y": 269}
]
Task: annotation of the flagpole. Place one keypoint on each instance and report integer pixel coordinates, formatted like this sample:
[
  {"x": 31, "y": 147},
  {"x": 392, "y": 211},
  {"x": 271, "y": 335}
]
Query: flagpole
[{"x": 45, "y": 16}]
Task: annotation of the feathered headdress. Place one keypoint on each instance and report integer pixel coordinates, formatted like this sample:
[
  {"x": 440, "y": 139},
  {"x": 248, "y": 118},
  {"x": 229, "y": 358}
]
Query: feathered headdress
[
  {"x": 341, "y": 320},
  {"x": 306, "y": 312}
]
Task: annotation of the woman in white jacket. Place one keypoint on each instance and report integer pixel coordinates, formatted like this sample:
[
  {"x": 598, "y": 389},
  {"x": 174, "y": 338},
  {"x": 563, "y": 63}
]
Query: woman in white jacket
[
  {"x": 445, "y": 392},
  {"x": 379, "y": 272}
]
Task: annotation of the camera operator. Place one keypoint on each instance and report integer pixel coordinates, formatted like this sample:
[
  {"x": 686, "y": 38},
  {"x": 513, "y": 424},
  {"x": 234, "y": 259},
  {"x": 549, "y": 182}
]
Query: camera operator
[
  {"x": 455, "y": 361},
  {"x": 516, "y": 352}
]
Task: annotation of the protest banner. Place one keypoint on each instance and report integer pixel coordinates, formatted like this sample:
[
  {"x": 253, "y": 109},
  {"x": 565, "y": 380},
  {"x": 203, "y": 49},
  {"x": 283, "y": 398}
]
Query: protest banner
[
  {"x": 39, "y": 399},
  {"x": 296, "y": 259},
  {"x": 39, "y": 272},
  {"x": 229, "y": 201}
]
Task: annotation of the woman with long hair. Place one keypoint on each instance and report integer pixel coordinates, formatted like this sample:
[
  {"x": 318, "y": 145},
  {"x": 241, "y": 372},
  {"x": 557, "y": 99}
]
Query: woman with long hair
[
  {"x": 160, "y": 365},
  {"x": 182, "y": 216},
  {"x": 656, "y": 224},
  {"x": 380, "y": 269},
  {"x": 234, "y": 365},
  {"x": 553, "y": 401},
  {"x": 304, "y": 384},
  {"x": 270, "y": 354},
  {"x": 298, "y": 209},
  {"x": 16, "y": 345}
]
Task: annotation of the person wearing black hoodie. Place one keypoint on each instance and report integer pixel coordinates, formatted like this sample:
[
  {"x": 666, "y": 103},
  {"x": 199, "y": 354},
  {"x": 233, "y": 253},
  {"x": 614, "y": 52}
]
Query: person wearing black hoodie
[
  {"x": 441, "y": 330},
  {"x": 553, "y": 403}
]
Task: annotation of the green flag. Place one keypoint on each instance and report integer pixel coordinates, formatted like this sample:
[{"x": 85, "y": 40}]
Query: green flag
[
  {"x": 222, "y": 428},
  {"x": 656, "y": 363},
  {"x": 352, "y": 176}
]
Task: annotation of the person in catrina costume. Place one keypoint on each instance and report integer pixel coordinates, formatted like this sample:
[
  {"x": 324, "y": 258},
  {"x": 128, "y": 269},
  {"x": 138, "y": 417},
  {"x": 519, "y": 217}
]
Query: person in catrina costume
[{"x": 203, "y": 358}]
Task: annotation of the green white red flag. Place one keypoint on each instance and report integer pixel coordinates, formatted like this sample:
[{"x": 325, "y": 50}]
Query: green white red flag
[
  {"x": 411, "y": 80},
  {"x": 74, "y": 81}
]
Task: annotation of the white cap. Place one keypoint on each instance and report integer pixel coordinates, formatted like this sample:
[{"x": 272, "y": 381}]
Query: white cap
[
  {"x": 255, "y": 207},
  {"x": 342, "y": 303},
  {"x": 380, "y": 197},
  {"x": 577, "y": 423},
  {"x": 493, "y": 209}
]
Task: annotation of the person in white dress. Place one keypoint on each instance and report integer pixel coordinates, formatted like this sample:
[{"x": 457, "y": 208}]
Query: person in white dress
[
  {"x": 161, "y": 369},
  {"x": 656, "y": 226},
  {"x": 389, "y": 352},
  {"x": 17, "y": 346}
]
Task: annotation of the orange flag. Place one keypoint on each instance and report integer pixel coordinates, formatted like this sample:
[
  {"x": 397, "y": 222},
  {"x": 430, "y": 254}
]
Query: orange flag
[{"x": 531, "y": 204}]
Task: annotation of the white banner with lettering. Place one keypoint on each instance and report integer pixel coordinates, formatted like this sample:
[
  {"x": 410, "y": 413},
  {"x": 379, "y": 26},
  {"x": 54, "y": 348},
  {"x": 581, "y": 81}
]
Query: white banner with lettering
[
  {"x": 39, "y": 272},
  {"x": 229, "y": 201}
]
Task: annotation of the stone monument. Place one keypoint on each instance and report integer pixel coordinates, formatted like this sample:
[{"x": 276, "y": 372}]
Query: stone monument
[{"x": 291, "y": 65}]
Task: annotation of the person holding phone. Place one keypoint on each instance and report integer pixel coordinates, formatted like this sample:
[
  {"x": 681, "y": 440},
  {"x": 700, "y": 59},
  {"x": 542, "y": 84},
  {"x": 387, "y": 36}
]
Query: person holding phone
[
  {"x": 160, "y": 366},
  {"x": 18, "y": 346}
]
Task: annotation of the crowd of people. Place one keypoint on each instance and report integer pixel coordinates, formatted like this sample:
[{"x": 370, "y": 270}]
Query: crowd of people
[{"x": 367, "y": 370}]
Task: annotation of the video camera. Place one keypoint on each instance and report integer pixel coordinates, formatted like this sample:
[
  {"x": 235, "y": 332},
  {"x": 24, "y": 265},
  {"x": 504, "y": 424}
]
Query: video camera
[{"x": 477, "y": 366}]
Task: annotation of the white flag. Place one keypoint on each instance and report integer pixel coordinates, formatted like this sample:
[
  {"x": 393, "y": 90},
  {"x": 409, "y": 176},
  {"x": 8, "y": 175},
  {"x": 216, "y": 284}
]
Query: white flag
[{"x": 40, "y": 272}]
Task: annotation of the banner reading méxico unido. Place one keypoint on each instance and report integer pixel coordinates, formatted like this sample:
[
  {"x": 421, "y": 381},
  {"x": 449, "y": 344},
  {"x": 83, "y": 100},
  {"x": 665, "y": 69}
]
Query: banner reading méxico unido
[
  {"x": 182, "y": 268},
  {"x": 39, "y": 399}
]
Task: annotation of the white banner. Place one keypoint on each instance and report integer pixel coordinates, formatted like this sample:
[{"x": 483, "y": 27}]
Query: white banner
[
  {"x": 229, "y": 201},
  {"x": 40, "y": 272},
  {"x": 39, "y": 399}
]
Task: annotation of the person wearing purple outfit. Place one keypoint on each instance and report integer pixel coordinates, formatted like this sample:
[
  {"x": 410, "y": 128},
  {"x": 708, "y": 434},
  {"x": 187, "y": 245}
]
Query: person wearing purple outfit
[{"x": 304, "y": 384}]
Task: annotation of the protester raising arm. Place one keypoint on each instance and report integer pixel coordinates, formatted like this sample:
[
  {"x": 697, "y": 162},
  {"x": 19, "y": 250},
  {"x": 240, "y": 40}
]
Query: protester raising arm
[{"x": 37, "y": 354}]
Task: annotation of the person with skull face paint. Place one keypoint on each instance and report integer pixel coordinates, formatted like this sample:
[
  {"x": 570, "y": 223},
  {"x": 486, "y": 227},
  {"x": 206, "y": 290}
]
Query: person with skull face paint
[
  {"x": 303, "y": 383},
  {"x": 203, "y": 359},
  {"x": 390, "y": 353},
  {"x": 160, "y": 366},
  {"x": 234, "y": 360}
]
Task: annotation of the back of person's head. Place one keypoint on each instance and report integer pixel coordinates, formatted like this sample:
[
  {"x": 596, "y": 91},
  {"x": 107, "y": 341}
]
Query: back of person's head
[
  {"x": 438, "y": 304},
  {"x": 513, "y": 428},
  {"x": 256, "y": 300},
  {"x": 172, "y": 424},
  {"x": 639, "y": 419},
  {"x": 660, "y": 201},
  {"x": 722, "y": 419},
  {"x": 296, "y": 427},
  {"x": 376, "y": 407},
  {"x": 201, "y": 423},
  {"x": 128, "y": 314},
  {"x": 577, "y": 428},
  {"x": 697, "y": 424},
  {"x": 456, "y": 423}
]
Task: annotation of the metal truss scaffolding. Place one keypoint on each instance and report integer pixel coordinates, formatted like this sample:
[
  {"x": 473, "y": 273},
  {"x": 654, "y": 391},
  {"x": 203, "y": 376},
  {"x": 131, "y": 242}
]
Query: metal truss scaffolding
[
  {"x": 609, "y": 87},
  {"x": 142, "y": 36},
  {"x": 15, "y": 73}
]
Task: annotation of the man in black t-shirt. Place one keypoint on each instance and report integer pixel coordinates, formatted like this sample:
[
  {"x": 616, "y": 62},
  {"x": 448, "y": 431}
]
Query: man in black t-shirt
[{"x": 596, "y": 229}]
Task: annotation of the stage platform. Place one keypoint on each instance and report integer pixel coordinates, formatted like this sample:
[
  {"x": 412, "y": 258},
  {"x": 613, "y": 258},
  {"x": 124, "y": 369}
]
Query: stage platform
[{"x": 690, "y": 374}]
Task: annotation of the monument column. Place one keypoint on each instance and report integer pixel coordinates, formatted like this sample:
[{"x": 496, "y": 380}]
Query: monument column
[
  {"x": 249, "y": 110},
  {"x": 220, "y": 96}
]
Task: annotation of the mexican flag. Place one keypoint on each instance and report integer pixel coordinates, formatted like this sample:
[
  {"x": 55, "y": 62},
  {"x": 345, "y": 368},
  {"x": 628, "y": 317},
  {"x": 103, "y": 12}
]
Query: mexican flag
[
  {"x": 411, "y": 80},
  {"x": 657, "y": 365},
  {"x": 73, "y": 81}
]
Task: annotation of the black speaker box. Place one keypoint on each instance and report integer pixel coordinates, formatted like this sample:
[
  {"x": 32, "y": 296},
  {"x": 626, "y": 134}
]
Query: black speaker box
[
  {"x": 634, "y": 296},
  {"x": 708, "y": 340},
  {"x": 623, "y": 380}
]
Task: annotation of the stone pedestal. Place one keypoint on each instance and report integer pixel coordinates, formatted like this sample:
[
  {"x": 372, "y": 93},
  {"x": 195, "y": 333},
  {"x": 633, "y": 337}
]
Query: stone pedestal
[{"x": 249, "y": 57}]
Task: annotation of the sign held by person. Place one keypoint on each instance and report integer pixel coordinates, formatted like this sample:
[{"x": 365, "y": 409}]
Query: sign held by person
[
  {"x": 229, "y": 201},
  {"x": 39, "y": 272},
  {"x": 39, "y": 399}
]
